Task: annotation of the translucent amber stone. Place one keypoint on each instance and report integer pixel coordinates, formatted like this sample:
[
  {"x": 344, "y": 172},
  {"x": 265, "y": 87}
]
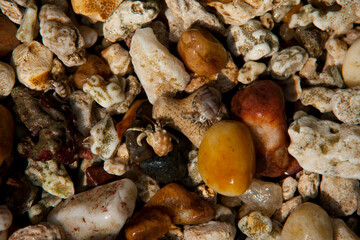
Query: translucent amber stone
[
  {"x": 201, "y": 52},
  {"x": 226, "y": 158}
]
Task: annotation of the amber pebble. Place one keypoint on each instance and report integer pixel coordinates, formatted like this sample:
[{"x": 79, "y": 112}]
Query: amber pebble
[
  {"x": 183, "y": 206},
  {"x": 94, "y": 66},
  {"x": 308, "y": 221},
  {"x": 293, "y": 10},
  {"x": 226, "y": 158},
  {"x": 6, "y": 134},
  {"x": 147, "y": 224},
  {"x": 8, "y": 40},
  {"x": 96, "y": 175},
  {"x": 201, "y": 52}
]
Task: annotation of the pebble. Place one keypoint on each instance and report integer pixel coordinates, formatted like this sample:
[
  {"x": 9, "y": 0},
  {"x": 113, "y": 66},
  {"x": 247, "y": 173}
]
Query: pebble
[
  {"x": 339, "y": 196},
  {"x": 313, "y": 40},
  {"x": 342, "y": 231},
  {"x": 98, "y": 10},
  {"x": 230, "y": 201},
  {"x": 286, "y": 209},
  {"x": 8, "y": 40},
  {"x": 351, "y": 69},
  {"x": 175, "y": 233},
  {"x": 201, "y": 52},
  {"x": 118, "y": 58},
  {"x": 308, "y": 222},
  {"x": 166, "y": 169},
  {"x": 261, "y": 106},
  {"x": 148, "y": 223},
  {"x": 259, "y": 227},
  {"x": 228, "y": 148},
  {"x": 224, "y": 214},
  {"x": 96, "y": 175},
  {"x": 7, "y": 79},
  {"x": 308, "y": 184},
  {"x": 6, "y": 218},
  {"x": 183, "y": 206},
  {"x": 99, "y": 213},
  {"x": 206, "y": 193},
  {"x": 345, "y": 105},
  {"x": 155, "y": 66},
  {"x": 265, "y": 197},
  {"x": 42, "y": 231},
  {"x": 193, "y": 178},
  {"x": 289, "y": 186},
  {"x": 213, "y": 230}
]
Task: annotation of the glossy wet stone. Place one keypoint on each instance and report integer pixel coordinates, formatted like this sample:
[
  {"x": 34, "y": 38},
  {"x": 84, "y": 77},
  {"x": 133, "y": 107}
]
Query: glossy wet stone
[
  {"x": 226, "y": 158},
  {"x": 96, "y": 175},
  {"x": 148, "y": 223},
  {"x": 183, "y": 206}
]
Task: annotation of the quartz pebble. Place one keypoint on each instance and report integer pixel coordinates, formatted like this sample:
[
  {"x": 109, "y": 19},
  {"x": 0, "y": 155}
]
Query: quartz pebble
[
  {"x": 212, "y": 230},
  {"x": 342, "y": 231},
  {"x": 228, "y": 148},
  {"x": 148, "y": 223},
  {"x": 345, "y": 105},
  {"x": 339, "y": 196},
  {"x": 42, "y": 231},
  {"x": 308, "y": 221},
  {"x": 289, "y": 186},
  {"x": 308, "y": 184},
  {"x": 259, "y": 227},
  {"x": 264, "y": 197},
  {"x": 286, "y": 209},
  {"x": 330, "y": 152},
  {"x": 252, "y": 41},
  {"x": 201, "y": 52},
  {"x": 183, "y": 206},
  {"x": 159, "y": 72},
  {"x": 99, "y": 213}
]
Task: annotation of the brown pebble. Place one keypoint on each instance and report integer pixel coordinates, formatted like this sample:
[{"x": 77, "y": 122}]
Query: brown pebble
[
  {"x": 8, "y": 40},
  {"x": 148, "y": 224},
  {"x": 96, "y": 175},
  {"x": 6, "y": 133},
  {"x": 183, "y": 206}
]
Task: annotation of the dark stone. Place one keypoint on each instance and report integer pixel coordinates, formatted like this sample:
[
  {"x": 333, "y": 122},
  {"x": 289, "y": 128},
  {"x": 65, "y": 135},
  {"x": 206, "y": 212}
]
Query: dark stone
[
  {"x": 137, "y": 153},
  {"x": 313, "y": 40},
  {"x": 166, "y": 169},
  {"x": 96, "y": 175}
]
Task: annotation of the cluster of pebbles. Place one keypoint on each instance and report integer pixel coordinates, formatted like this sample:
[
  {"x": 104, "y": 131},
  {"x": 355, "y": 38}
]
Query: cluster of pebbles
[{"x": 180, "y": 119}]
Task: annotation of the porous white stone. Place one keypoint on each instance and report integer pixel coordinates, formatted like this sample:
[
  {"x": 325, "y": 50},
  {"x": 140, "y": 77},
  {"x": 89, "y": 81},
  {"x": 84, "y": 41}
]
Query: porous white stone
[
  {"x": 308, "y": 184},
  {"x": 7, "y": 79},
  {"x": 318, "y": 97},
  {"x": 99, "y": 213},
  {"x": 159, "y": 72},
  {"x": 289, "y": 186},
  {"x": 118, "y": 59},
  {"x": 326, "y": 147},
  {"x": 250, "y": 71},
  {"x": 345, "y": 104},
  {"x": 213, "y": 230},
  {"x": 286, "y": 208}
]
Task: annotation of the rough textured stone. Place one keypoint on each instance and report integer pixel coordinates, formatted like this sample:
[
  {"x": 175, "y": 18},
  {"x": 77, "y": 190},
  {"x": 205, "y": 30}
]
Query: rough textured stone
[
  {"x": 322, "y": 146},
  {"x": 308, "y": 184},
  {"x": 286, "y": 209},
  {"x": 318, "y": 97},
  {"x": 98, "y": 10},
  {"x": 183, "y": 206},
  {"x": 212, "y": 230},
  {"x": 99, "y": 213},
  {"x": 159, "y": 72},
  {"x": 43, "y": 231},
  {"x": 345, "y": 104},
  {"x": 339, "y": 196},
  {"x": 308, "y": 222},
  {"x": 259, "y": 227},
  {"x": 289, "y": 186}
]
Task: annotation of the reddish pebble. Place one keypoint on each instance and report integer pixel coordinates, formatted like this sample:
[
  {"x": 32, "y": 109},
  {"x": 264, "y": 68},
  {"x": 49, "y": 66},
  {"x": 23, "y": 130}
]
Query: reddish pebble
[
  {"x": 96, "y": 175},
  {"x": 8, "y": 40}
]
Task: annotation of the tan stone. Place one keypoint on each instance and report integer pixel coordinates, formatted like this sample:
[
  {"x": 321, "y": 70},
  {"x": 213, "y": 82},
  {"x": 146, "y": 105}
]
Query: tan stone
[{"x": 98, "y": 10}]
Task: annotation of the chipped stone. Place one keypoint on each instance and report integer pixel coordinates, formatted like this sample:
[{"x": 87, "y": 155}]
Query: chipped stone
[
  {"x": 250, "y": 71},
  {"x": 345, "y": 104},
  {"x": 118, "y": 58},
  {"x": 335, "y": 52},
  {"x": 322, "y": 146},
  {"x": 12, "y": 10},
  {"x": 7, "y": 79},
  {"x": 159, "y": 72},
  {"x": 51, "y": 176},
  {"x": 212, "y": 230},
  {"x": 283, "y": 8},
  {"x": 339, "y": 196},
  {"x": 252, "y": 41},
  {"x": 193, "y": 178},
  {"x": 40, "y": 231},
  {"x": 29, "y": 27},
  {"x": 129, "y": 16},
  {"x": 308, "y": 184},
  {"x": 318, "y": 97},
  {"x": 292, "y": 88},
  {"x": 289, "y": 186},
  {"x": 286, "y": 209}
]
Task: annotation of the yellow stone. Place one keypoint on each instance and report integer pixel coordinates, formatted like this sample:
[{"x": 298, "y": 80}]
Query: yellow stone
[{"x": 226, "y": 158}]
